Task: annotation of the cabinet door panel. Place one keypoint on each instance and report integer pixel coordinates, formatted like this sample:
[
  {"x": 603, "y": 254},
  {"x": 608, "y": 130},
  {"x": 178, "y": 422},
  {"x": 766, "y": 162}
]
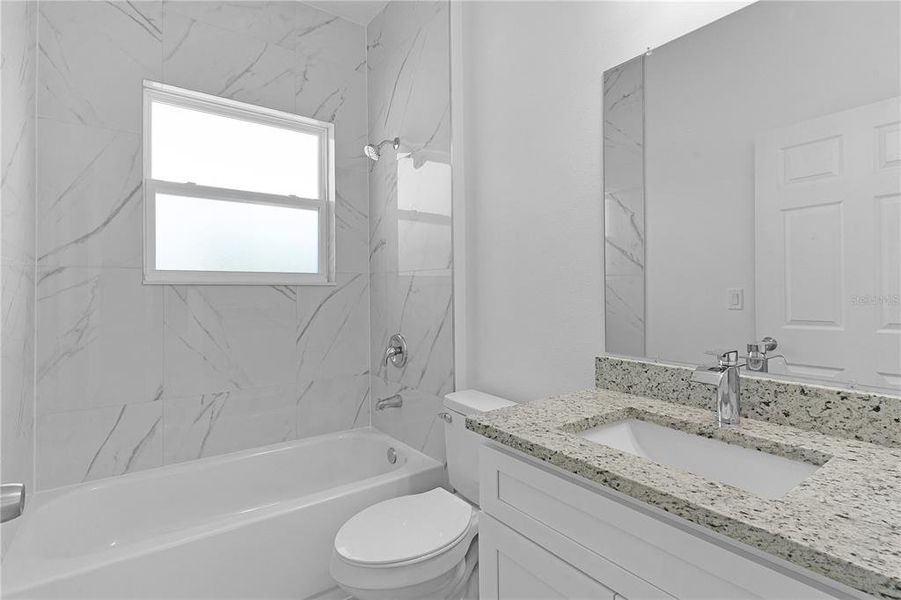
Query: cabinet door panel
[
  {"x": 514, "y": 581},
  {"x": 512, "y": 567}
]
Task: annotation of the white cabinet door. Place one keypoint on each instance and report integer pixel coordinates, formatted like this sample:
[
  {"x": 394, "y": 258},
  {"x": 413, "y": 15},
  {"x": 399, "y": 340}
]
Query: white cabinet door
[
  {"x": 828, "y": 203},
  {"x": 511, "y": 567}
]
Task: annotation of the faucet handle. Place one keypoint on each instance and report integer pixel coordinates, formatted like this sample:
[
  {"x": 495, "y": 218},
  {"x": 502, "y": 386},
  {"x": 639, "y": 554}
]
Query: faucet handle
[
  {"x": 396, "y": 351},
  {"x": 767, "y": 344},
  {"x": 725, "y": 358}
]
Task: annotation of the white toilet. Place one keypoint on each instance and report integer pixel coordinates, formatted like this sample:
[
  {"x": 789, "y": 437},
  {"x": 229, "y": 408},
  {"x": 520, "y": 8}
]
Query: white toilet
[{"x": 421, "y": 545}]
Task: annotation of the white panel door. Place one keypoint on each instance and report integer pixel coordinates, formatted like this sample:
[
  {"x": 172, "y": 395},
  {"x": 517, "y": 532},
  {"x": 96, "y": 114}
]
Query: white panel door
[{"x": 828, "y": 256}]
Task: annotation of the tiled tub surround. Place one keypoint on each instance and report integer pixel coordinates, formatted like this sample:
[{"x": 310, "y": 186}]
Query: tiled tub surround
[
  {"x": 410, "y": 217},
  {"x": 17, "y": 157},
  {"x": 864, "y": 416},
  {"x": 844, "y": 521},
  {"x": 132, "y": 376}
]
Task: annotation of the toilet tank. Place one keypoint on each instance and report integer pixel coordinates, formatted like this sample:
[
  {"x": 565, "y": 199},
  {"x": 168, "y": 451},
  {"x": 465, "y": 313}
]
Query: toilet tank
[{"x": 463, "y": 445}]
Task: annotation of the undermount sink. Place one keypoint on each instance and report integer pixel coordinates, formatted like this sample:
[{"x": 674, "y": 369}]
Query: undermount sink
[{"x": 765, "y": 475}]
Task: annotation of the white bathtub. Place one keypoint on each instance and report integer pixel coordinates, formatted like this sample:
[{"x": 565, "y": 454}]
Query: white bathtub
[{"x": 253, "y": 524}]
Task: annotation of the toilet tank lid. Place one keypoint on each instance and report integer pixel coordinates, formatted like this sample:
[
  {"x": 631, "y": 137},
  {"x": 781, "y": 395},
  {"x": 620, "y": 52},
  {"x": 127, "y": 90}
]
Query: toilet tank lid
[{"x": 469, "y": 402}]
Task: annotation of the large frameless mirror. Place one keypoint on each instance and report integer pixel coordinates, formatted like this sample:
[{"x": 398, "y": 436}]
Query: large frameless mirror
[{"x": 753, "y": 194}]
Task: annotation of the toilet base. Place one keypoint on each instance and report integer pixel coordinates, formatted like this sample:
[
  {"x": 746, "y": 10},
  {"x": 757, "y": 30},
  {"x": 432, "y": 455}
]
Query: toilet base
[
  {"x": 459, "y": 583},
  {"x": 469, "y": 584}
]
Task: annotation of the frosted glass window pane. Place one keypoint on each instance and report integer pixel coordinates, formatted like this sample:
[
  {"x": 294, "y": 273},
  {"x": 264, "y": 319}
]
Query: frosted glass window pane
[
  {"x": 213, "y": 150},
  {"x": 199, "y": 234}
]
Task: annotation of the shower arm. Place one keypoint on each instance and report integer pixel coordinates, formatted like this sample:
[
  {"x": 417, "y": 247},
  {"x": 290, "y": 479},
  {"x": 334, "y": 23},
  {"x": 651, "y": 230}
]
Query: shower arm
[{"x": 393, "y": 141}]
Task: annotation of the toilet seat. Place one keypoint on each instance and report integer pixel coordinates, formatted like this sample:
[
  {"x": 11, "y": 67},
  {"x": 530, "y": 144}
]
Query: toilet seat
[
  {"x": 419, "y": 539},
  {"x": 404, "y": 529}
]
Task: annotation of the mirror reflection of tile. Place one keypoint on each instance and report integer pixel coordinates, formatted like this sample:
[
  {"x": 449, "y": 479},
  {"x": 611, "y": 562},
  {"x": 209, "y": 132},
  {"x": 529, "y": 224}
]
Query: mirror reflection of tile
[{"x": 768, "y": 193}]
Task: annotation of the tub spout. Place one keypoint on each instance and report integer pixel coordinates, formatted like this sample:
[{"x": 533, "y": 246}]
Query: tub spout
[
  {"x": 12, "y": 501},
  {"x": 394, "y": 401}
]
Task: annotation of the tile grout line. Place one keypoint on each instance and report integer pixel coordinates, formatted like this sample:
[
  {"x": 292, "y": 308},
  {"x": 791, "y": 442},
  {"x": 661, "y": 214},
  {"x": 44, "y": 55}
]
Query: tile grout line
[
  {"x": 365, "y": 57},
  {"x": 34, "y": 275}
]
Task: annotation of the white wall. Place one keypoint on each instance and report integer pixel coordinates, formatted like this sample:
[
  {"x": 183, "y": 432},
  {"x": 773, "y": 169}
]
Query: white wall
[
  {"x": 534, "y": 212},
  {"x": 706, "y": 99}
]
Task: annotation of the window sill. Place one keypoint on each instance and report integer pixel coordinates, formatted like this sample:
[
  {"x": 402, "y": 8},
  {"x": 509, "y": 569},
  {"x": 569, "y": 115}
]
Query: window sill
[{"x": 263, "y": 279}]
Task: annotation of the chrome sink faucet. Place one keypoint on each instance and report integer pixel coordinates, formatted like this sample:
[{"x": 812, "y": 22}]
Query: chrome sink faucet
[
  {"x": 724, "y": 377},
  {"x": 758, "y": 359}
]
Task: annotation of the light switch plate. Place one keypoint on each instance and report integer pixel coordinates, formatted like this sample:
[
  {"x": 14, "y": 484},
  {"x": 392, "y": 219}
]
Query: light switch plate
[{"x": 736, "y": 299}]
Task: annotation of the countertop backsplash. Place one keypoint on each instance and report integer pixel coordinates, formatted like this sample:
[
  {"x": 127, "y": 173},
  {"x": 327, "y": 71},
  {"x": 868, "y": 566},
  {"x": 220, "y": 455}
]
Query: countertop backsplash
[{"x": 858, "y": 415}]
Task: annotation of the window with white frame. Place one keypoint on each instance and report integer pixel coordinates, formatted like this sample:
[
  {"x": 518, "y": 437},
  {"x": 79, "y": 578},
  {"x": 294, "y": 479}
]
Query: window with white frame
[{"x": 235, "y": 193}]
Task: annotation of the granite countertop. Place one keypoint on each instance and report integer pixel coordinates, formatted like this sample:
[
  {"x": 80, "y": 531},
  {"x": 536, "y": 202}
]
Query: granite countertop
[{"x": 844, "y": 521}]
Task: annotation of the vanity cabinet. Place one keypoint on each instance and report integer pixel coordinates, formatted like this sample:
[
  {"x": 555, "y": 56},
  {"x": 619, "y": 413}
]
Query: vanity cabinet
[
  {"x": 546, "y": 534},
  {"x": 522, "y": 570}
]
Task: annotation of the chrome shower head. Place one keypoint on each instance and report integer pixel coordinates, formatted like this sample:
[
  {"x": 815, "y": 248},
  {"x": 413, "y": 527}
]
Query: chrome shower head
[
  {"x": 371, "y": 152},
  {"x": 374, "y": 152}
]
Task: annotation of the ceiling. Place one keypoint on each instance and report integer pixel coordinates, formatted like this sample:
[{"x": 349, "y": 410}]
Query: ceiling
[{"x": 360, "y": 12}]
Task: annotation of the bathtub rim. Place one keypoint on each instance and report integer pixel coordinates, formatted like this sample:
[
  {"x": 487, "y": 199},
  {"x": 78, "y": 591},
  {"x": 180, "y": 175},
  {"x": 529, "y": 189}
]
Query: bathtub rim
[{"x": 36, "y": 499}]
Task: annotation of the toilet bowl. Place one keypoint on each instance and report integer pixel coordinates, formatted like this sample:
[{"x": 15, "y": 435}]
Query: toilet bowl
[
  {"x": 421, "y": 545},
  {"x": 413, "y": 546}
]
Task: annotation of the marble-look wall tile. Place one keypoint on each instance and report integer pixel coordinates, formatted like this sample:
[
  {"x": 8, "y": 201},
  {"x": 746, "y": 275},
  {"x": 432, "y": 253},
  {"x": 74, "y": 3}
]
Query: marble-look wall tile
[
  {"x": 224, "y": 63},
  {"x": 333, "y": 356},
  {"x": 216, "y": 423},
  {"x": 352, "y": 214},
  {"x": 17, "y": 135},
  {"x": 409, "y": 82},
  {"x": 624, "y": 222},
  {"x": 82, "y": 445},
  {"x": 224, "y": 338},
  {"x": 416, "y": 423},
  {"x": 17, "y": 367},
  {"x": 624, "y": 232},
  {"x": 234, "y": 354},
  {"x": 331, "y": 323},
  {"x": 624, "y": 126},
  {"x": 400, "y": 21},
  {"x": 18, "y": 57},
  {"x": 410, "y": 251},
  {"x": 409, "y": 97},
  {"x": 420, "y": 306},
  {"x": 93, "y": 58},
  {"x": 270, "y": 22},
  {"x": 383, "y": 214},
  {"x": 625, "y": 314},
  {"x": 99, "y": 346},
  {"x": 89, "y": 196},
  {"x": 331, "y": 404},
  {"x": 99, "y": 339},
  {"x": 330, "y": 59},
  {"x": 17, "y": 235}
]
